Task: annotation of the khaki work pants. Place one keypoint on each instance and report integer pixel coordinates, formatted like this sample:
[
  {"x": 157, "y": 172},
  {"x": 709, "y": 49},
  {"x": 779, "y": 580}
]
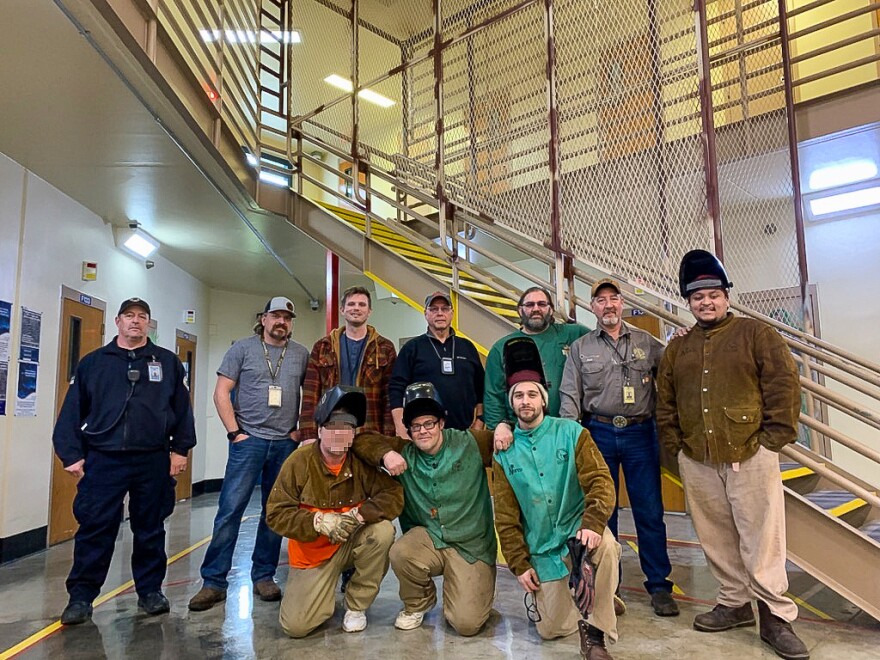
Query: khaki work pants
[
  {"x": 468, "y": 589},
  {"x": 739, "y": 517},
  {"x": 309, "y": 598},
  {"x": 559, "y": 616}
]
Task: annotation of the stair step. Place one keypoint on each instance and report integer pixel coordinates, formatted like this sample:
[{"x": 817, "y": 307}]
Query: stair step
[
  {"x": 835, "y": 502},
  {"x": 872, "y": 529},
  {"x": 794, "y": 473}
]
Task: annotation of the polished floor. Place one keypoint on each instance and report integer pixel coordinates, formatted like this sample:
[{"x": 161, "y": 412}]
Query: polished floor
[{"x": 32, "y": 596}]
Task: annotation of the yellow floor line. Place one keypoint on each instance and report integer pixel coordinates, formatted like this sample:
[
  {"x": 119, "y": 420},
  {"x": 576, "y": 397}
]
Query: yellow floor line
[
  {"x": 675, "y": 588},
  {"x": 815, "y": 610},
  {"x": 54, "y": 627}
]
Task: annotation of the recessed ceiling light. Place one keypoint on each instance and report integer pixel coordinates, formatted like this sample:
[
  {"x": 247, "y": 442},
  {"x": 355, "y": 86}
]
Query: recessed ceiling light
[
  {"x": 135, "y": 241},
  {"x": 842, "y": 174},
  {"x": 366, "y": 94}
]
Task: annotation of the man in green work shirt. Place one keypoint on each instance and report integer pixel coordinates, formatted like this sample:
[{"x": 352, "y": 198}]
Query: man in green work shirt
[
  {"x": 447, "y": 515},
  {"x": 551, "y": 486},
  {"x": 535, "y": 308}
]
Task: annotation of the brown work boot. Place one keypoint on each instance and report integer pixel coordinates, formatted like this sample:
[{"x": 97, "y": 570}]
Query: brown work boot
[
  {"x": 267, "y": 590},
  {"x": 206, "y": 599},
  {"x": 725, "y": 618},
  {"x": 777, "y": 633},
  {"x": 592, "y": 642}
]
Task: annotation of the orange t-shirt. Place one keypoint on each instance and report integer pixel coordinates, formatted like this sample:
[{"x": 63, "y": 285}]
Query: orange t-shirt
[{"x": 309, "y": 554}]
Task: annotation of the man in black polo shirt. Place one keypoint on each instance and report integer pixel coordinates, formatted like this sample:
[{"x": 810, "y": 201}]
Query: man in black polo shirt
[{"x": 448, "y": 361}]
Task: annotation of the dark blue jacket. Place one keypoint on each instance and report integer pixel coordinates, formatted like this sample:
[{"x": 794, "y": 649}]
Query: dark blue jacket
[{"x": 156, "y": 415}]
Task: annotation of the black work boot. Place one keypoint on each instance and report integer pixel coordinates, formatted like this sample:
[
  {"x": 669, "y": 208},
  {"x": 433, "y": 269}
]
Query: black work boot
[
  {"x": 778, "y": 634},
  {"x": 76, "y": 612},
  {"x": 725, "y": 618},
  {"x": 592, "y": 642}
]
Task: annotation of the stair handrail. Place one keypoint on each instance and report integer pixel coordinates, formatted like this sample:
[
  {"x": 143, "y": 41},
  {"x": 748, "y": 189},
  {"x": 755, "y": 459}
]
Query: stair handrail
[{"x": 818, "y": 464}]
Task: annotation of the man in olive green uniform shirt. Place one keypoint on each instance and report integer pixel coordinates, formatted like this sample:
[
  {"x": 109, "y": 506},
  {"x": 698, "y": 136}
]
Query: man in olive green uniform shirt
[{"x": 447, "y": 515}]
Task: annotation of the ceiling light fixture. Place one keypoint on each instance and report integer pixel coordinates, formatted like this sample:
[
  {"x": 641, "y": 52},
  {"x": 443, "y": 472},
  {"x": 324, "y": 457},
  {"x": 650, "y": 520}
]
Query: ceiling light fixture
[
  {"x": 251, "y": 36},
  {"x": 366, "y": 94},
  {"x": 843, "y": 173},
  {"x": 135, "y": 241}
]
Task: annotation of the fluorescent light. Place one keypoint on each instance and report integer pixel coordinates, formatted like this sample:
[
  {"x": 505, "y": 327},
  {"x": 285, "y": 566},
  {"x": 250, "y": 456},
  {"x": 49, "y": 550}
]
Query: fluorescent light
[
  {"x": 339, "y": 82},
  {"x": 366, "y": 94},
  {"x": 251, "y": 36},
  {"x": 135, "y": 241},
  {"x": 847, "y": 201},
  {"x": 842, "y": 174},
  {"x": 251, "y": 159},
  {"x": 275, "y": 179}
]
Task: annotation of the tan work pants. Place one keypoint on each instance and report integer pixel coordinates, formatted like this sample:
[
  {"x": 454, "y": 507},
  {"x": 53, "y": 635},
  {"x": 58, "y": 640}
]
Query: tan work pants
[
  {"x": 739, "y": 517},
  {"x": 468, "y": 589},
  {"x": 559, "y": 616},
  {"x": 309, "y": 598}
]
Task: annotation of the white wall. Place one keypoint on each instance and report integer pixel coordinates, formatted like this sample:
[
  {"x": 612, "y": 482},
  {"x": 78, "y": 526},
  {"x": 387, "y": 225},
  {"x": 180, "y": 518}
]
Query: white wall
[
  {"x": 45, "y": 237},
  {"x": 844, "y": 261}
]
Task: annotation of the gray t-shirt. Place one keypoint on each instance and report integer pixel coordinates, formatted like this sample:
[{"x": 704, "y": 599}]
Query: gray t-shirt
[{"x": 245, "y": 363}]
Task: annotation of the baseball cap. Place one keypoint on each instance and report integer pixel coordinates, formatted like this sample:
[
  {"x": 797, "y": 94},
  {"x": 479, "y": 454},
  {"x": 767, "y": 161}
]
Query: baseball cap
[
  {"x": 133, "y": 302},
  {"x": 437, "y": 294},
  {"x": 280, "y": 304},
  {"x": 605, "y": 281}
]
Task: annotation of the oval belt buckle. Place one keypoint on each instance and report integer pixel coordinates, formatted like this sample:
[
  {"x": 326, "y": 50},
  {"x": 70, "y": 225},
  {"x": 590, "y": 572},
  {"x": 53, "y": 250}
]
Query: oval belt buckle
[{"x": 619, "y": 421}]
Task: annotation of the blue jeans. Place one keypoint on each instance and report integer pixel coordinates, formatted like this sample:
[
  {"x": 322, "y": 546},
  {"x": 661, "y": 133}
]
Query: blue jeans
[
  {"x": 250, "y": 460},
  {"x": 636, "y": 450}
]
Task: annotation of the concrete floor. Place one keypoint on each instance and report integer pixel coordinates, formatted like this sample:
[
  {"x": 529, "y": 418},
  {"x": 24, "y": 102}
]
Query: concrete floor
[{"x": 32, "y": 596}]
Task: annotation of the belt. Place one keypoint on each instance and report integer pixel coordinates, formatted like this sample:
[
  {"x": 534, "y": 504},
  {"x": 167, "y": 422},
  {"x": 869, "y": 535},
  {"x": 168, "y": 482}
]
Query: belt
[{"x": 619, "y": 421}]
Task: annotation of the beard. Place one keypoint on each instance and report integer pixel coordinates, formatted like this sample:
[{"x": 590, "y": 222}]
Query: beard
[
  {"x": 536, "y": 322},
  {"x": 527, "y": 415},
  {"x": 610, "y": 320}
]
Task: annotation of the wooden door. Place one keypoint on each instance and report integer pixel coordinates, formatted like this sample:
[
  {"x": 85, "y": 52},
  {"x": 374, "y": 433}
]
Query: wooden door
[
  {"x": 185, "y": 348},
  {"x": 82, "y": 331}
]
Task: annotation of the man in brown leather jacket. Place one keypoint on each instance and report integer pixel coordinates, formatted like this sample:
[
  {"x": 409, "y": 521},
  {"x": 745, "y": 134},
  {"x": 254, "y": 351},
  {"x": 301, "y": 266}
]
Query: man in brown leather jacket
[
  {"x": 728, "y": 401},
  {"x": 337, "y": 513}
]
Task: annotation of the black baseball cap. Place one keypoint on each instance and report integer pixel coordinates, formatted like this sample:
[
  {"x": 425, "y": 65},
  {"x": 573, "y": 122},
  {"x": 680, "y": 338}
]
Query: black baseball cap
[{"x": 133, "y": 302}]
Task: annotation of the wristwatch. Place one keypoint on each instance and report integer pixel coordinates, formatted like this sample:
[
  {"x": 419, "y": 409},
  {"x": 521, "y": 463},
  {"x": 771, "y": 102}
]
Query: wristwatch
[{"x": 231, "y": 435}]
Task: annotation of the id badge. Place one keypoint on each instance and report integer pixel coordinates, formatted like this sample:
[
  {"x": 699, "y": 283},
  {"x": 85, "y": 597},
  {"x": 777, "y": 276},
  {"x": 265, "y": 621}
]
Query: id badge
[
  {"x": 629, "y": 394},
  {"x": 154, "y": 372},
  {"x": 274, "y": 396},
  {"x": 446, "y": 366}
]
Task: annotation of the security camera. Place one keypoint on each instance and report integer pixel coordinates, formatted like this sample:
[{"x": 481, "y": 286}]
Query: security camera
[
  {"x": 314, "y": 304},
  {"x": 149, "y": 264}
]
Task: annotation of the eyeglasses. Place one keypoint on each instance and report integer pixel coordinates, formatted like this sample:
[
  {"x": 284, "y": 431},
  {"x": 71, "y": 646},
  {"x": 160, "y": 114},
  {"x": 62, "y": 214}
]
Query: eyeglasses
[
  {"x": 428, "y": 426},
  {"x": 438, "y": 310},
  {"x": 531, "y": 604},
  {"x": 542, "y": 304}
]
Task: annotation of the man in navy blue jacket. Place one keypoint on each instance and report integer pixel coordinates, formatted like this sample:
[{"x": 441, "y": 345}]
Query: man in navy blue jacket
[{"x": 126, "y": 426}]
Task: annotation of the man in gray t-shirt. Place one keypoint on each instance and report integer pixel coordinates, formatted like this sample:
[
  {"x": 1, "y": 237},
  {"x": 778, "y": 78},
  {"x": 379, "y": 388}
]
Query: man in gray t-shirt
[{"x": 266, "y": 372}]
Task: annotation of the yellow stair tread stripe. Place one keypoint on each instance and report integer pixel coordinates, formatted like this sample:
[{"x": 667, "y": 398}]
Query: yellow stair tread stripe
[
  {"x": 794, "y": 473},
  {"x": 847, "y": 507}
]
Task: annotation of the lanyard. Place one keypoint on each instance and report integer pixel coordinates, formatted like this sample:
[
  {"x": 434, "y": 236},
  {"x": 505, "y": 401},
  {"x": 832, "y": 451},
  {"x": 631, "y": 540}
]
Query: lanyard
[
  {"x": 274, "y": 373},
  {"x": 620, "y": 357},
  {"x": 436, "y": 352}
]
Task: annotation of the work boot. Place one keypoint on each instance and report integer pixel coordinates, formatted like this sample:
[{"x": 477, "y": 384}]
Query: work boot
[
  {"x": 154, "y": 603},
  {"x": 76, "y": 612},
  {"x": 725, "y": 618},
  {"x": 664, "y": 604},
  {"x": 267, "y": 590},
  {"x": 592, "y": 642},
  {"x": 206, "y": 598},
  {"x": 777, "y": 633}
]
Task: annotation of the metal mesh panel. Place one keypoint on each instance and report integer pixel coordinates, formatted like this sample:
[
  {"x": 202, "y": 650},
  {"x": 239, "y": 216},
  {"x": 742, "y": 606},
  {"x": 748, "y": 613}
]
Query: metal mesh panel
[
  {"x": 754, "y": 171},
  {"x": 495, "y": 122},
  {"x": 633, "y": 195},
  {"x": 325, "y": 50}
]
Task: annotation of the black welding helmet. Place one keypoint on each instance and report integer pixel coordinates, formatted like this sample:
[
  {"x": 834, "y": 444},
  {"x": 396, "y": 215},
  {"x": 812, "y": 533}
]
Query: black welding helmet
[
  {"x": 701, "y": 270},
  {"x": 522, "y": 362},
  {"x": 351, "y": 399},
  {"x": 422, "y": 399}
]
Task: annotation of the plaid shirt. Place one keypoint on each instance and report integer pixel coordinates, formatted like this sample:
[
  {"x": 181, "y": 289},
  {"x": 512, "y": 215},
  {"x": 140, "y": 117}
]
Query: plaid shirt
[{"x": 322, "y": 373}]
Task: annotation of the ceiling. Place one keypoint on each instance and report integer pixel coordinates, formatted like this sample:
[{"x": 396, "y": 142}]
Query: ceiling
[{"x": 73, "y": 122}]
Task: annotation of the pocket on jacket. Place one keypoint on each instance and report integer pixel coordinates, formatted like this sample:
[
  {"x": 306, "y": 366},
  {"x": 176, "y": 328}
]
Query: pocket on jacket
[
  {"x": 592, "y": 375},
  {"x": 742, "y": 423}
]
